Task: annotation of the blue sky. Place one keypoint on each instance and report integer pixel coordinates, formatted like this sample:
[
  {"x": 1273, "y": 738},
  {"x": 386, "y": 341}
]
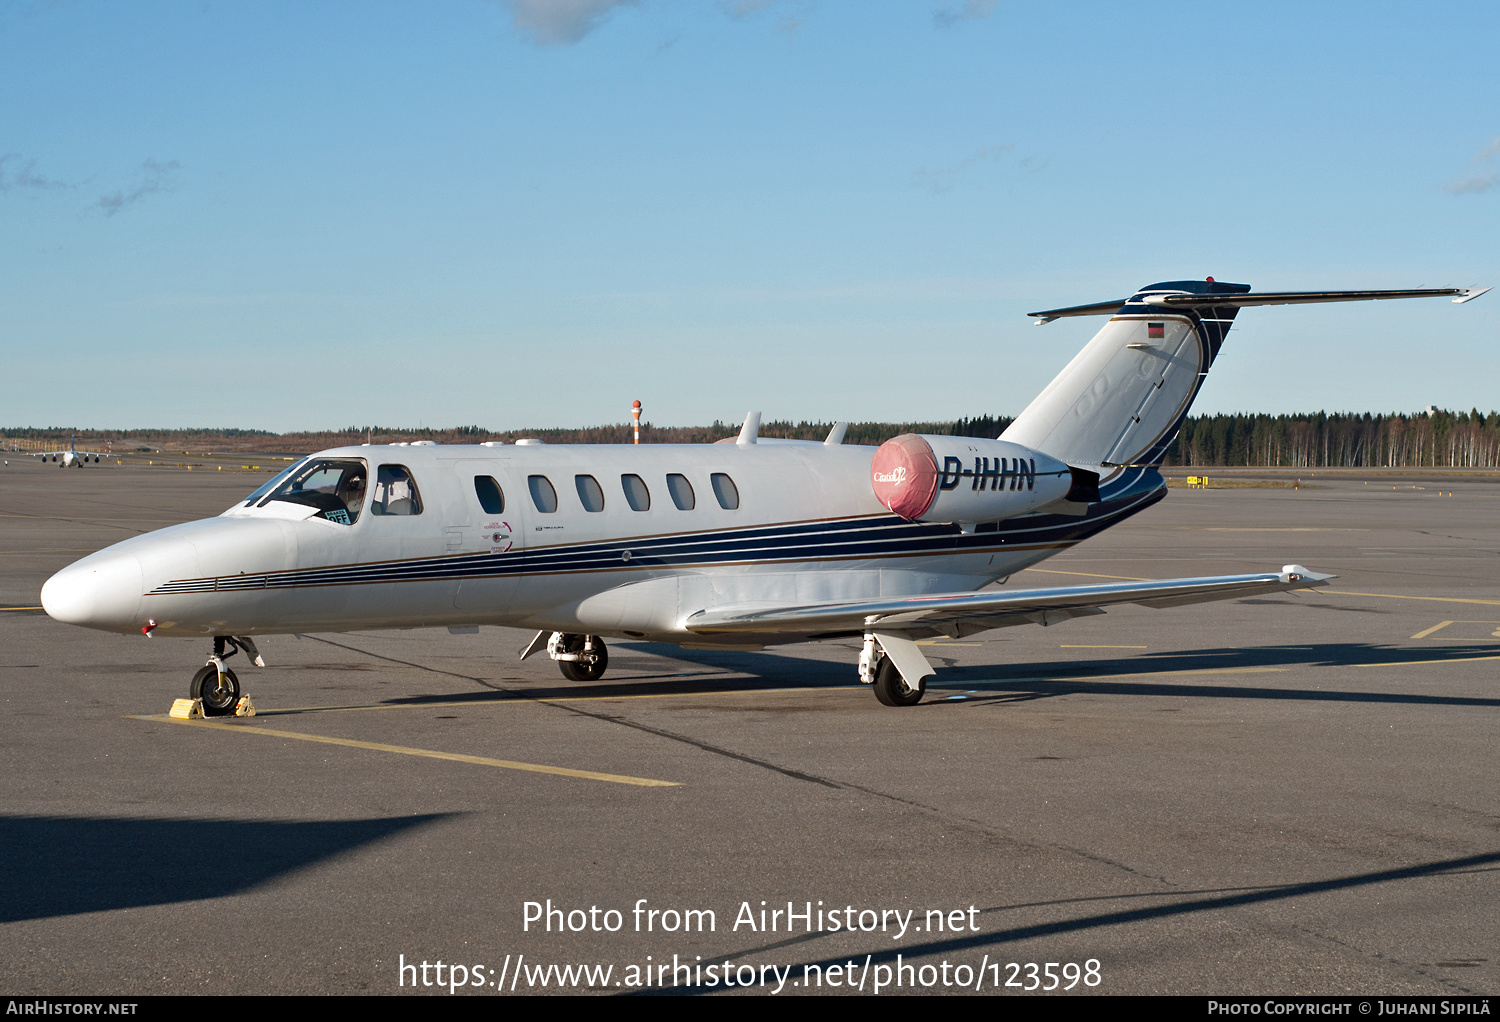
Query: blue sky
[{"x": 308, "y": 215}]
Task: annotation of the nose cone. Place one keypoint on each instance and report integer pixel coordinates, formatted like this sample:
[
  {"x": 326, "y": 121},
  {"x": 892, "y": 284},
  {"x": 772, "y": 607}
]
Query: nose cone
[{"x": 101, "y": 591}]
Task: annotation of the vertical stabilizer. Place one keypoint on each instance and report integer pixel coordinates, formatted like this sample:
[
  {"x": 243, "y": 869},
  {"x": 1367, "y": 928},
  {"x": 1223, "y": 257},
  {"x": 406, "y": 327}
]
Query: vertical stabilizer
[{"x": 1123, "y": 397}]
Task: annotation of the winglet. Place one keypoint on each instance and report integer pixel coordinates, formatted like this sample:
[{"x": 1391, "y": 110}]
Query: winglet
[
  {"x": 750, "y": 430},
  {"x": 1297, "y": 573},
  {"x": 836, "y": 434},
  {"x": 1469, "y": 294}
]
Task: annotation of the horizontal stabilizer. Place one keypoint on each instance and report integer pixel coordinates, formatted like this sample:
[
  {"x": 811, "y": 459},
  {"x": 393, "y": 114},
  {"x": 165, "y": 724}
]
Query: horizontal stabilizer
[
  {"x": 1179, "y": 301},
  {"x": 990, "y": 609},
  {"x": 1195, "y": 301},
  {"x": 1097, "y": 309}
]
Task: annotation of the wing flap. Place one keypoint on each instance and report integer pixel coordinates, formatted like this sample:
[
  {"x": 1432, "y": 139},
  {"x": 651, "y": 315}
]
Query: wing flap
[{"x": 993, "y": 609}]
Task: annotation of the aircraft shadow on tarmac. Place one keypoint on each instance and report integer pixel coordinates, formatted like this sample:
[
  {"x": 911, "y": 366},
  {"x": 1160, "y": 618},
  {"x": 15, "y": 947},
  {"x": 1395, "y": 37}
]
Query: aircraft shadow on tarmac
[
  {"x": 1178, "y": 903},
  {"x": 1142, "y": 674},
  {"x": 63, "y": 865}
]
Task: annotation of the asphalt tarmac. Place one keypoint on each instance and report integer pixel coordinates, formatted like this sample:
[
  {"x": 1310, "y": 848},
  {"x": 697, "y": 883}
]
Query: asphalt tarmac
[{"x": 1287, "y": 795}]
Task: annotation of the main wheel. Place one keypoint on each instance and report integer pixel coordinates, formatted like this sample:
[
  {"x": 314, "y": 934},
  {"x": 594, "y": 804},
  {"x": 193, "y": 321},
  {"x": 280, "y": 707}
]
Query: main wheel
[
  {"x": 891, "y": 689},
  {"x": 590, "y": 669},
  {"x": 218, "y": 700}
]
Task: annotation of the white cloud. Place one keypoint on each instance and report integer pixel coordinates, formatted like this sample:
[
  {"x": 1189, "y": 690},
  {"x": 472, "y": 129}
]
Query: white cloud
[
  {"x": 940, "y": 180},
  {"x": 561, "y": 22},
  {"x": 154, "y": 178},
  {"x": 1473, "y": 185},
  {"x": 1477, "y": 184},
  {"x": 22, "y": 174},
  {"x": 951, "y": 12}
]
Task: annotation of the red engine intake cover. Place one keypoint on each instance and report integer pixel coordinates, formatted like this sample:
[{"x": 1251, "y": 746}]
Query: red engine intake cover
[{"x": 904, "y": 475}]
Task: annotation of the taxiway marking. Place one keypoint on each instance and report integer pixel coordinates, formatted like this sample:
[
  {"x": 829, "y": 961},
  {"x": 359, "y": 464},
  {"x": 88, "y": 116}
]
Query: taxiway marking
[
  {"x": 504, "y": 764},
  {"x": 1414, "y": 663},
  {"x": 1435, "y": 628},
  {"x": 1087, "y": 574},
  {"x": 1397, "y": 596},
  {"x": 520, "y": 698}
]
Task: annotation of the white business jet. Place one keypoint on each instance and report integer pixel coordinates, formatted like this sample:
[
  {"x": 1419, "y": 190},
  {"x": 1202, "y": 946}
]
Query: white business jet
[
  {"x": 738, "y": 545},
  {"x": 71, "y": 457}
]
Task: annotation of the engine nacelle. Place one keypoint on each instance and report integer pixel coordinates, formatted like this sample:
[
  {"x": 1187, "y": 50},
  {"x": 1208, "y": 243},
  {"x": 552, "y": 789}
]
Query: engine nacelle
[{"x": 964, "y": 479}]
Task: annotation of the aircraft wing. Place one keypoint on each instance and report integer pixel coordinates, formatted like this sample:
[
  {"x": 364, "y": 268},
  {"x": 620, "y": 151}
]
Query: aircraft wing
[{"x": 971, "y": 612}]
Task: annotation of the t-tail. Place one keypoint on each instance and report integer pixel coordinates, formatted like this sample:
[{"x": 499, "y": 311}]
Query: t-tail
[{"x": 1122, "y": 399}]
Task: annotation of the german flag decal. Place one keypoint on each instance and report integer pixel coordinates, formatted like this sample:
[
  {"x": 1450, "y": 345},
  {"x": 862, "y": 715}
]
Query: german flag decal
[{"x": 1156, "y": 330}]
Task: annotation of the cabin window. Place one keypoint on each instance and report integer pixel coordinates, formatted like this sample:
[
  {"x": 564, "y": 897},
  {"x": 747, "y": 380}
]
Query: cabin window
[
  {"x": 395, "y": 492},
  {"x": 335, "y": 487},
  {"x": 491, "y": 497},
  {"x": 681, "y": 491},
  {"x": 636, "y": 494},
  {"x": 725, "y": 490},
  {"x": 590, "y": 493},
  {"x": 542, "y": 494}
]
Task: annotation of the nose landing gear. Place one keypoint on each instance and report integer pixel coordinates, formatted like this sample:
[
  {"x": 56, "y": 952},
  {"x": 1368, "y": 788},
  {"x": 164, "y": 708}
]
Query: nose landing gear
[{"x": 216, "y": 685}]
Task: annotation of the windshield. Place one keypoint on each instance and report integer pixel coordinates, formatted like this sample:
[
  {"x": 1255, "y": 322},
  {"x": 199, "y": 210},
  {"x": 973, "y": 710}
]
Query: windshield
[
  {"x": 335, "y": 486},
  {"x": 272, "y": 483}
]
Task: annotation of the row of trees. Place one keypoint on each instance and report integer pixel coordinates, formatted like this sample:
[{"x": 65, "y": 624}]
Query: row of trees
[
  {"x": 1342, "y": 440},
  {"x": 1322, "y": 440}
]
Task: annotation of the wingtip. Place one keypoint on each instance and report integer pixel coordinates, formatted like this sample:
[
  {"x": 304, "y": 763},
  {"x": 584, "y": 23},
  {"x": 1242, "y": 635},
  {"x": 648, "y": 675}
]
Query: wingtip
[{"x": 1300, "y": 574}]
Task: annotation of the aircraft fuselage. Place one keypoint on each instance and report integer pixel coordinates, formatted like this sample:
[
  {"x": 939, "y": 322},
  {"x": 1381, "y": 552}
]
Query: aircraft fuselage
[{"x": 625, "y": 550}]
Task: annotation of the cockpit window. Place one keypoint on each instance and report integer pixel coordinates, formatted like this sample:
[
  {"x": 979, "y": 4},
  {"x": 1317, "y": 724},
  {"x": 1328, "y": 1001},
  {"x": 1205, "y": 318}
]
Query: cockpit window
[
  {"x": 272, "y": 483},
  {"x": 335, "y": 486},
  {"x": 395, "y": 492}
]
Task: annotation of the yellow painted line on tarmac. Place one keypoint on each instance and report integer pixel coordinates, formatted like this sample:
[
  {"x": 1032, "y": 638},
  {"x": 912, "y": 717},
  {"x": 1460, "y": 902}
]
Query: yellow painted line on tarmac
[
  {"x": 1088, "y": 574},
  {"x": 504, "y": 764},
  {"x": 65, "y": 550},
  {"x": 1248, "y": 528},
  {"x": 1104, "y": 647},
  {"x": 1397, "y": 596},
  {"x": 1236, "y": 528},
  {"x": 22, "y": 608},
  {"x": 523, "y": 700},
  {"x": 1435, "y": 628},
  {"x": 1160, "y": 674},
  {"x": 1417, "y": 663},
  {"x": 938, "y": 642},
  {"x": 86, "y": 518}
]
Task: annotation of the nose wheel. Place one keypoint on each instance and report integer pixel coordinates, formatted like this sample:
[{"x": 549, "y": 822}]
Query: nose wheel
[
  {"x": 218, "y": 688},
  {"x": 579, "y": 657},
  {"x": 215, "y": 685}
]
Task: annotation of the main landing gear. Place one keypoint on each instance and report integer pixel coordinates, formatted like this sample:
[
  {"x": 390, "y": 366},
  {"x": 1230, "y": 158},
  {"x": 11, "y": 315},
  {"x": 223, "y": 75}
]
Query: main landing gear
[
  {"x": 879, "y": 671},
  {"x": 579, "y": 657},
  {"x": 215, "y": 684}
]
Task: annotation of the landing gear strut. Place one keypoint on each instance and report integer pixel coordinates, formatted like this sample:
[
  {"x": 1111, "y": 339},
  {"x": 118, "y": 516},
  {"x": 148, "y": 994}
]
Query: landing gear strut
[
  {"x": 580, "y": 657},
  {"x": 215, "y": 684}
]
